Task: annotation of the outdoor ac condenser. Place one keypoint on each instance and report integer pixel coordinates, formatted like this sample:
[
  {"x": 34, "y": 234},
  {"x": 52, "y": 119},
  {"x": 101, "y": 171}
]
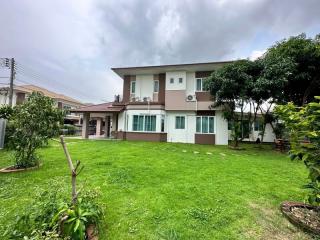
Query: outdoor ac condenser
[{"x": 2, "y": 132}]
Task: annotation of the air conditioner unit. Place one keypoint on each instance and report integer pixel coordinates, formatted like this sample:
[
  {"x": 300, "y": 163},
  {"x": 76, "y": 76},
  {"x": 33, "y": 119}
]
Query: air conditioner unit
[{"x": 191, "y": 98}]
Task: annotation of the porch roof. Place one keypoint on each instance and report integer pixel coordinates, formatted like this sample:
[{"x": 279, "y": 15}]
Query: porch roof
[{"x": 99, "y": 108}]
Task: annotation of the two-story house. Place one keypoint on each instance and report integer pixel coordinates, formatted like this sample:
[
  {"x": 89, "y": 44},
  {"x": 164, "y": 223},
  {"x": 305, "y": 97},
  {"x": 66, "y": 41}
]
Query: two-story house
[
  {"x": 21, "y": 92},
  {"x": 166, "y": 103}
]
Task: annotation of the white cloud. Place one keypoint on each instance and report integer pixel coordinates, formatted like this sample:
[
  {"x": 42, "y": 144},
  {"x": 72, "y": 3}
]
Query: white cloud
[{"x": 256, "y": 54}]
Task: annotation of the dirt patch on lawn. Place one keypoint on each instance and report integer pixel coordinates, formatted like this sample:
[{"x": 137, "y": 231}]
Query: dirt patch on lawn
[{"x": 273, "y": 225}]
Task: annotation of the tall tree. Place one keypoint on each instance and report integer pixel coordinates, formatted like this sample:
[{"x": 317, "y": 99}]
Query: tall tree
[
  {"x": 304, "y": 82},
  {"x": 231, "y": 85}
]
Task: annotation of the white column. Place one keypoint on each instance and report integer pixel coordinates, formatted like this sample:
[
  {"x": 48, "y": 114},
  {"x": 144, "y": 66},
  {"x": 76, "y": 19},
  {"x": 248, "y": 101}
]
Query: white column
[
  {"x": 85, "y": 125},
  {"x": 98, "y": 126}
]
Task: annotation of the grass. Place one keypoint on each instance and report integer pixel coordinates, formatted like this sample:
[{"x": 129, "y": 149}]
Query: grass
[{"x": 166, "y": 191}]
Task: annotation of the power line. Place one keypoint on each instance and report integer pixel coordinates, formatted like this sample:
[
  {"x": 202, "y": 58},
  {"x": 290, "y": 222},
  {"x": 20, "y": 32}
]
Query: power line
[{"x": 23, "y": 70}]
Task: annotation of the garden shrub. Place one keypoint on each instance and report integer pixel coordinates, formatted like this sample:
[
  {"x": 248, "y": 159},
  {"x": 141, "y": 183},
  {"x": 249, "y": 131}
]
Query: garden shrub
[
  {"x": 34, "y": 123},
  {"x": 69, "y": 129},
  {"x": 303, "y": 124},
  {"x": 51, "y": 216}
]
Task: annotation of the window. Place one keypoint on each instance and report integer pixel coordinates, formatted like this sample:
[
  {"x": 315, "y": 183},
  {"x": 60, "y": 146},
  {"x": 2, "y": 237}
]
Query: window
[
  {"x": 199, "y": 85},
  {"x": 205, "y": 124},
  {"x": 133, "y": 87},
  {"x": 258, "y": 125},
  {"x": 150, "y": 123},
  {"x": 180, "y": 80},
  {"x": 156, "y": 86},
  {"x": 171, "y": 80},
  {"x": 144, "y": 123},
  {"x": 180, "y": 122},
  {"x": 162, "y": 123},
  {"x": 138, "y": 123}
]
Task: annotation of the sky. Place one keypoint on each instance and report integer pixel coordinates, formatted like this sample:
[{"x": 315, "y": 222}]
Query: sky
[{"x": 69, "y": 46}]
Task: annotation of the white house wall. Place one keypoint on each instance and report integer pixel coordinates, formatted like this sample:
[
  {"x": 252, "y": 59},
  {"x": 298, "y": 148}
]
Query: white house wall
[
  {"x": 190, "y": 83},
  {"x": 181, "y": 135},
  {"x": 221, "y": 129},
  {"x": 176, "y": 85},
  {"x": 144, "y": 86}
]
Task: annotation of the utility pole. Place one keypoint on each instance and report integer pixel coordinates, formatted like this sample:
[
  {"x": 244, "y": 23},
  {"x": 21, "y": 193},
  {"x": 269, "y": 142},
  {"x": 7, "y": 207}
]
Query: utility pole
[{"x": 12, "y": 76}]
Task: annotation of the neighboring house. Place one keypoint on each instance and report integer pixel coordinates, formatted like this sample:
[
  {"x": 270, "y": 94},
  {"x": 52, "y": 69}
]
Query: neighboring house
[
  {"x": 163, "y": 103},
  {"x": 21, "y": 92}
]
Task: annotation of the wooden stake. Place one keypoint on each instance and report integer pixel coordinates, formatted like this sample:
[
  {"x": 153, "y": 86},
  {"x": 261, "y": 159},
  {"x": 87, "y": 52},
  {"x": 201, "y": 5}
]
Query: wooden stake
[{"x": 73, "y": 170}]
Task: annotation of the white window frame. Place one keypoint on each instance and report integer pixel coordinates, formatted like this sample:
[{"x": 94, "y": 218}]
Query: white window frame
[
  {"x": 154, "y": 84},
  {"x": 214, "y": 124},
  {"x": 143, "y": 123},
  {"x": 202, "y": 89},
  {"x": 135, "y": 87}
]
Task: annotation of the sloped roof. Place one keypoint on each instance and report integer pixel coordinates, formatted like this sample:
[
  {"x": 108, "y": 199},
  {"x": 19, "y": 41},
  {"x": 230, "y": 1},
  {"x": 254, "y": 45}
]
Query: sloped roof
[
  {"x": 32, "y": 88},
  {"x": 103, "y": 107}
]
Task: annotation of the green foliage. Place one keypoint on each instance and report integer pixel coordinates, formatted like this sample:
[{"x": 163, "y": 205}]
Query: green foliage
[
  {"x": 36, "y": 217},
  {"x": 6, "y": 112},
  {"x": 304, "y": 82},
  {"x": 34, "y": 123},
  {"x": 69, "y": 129},
  {"x": 303, "y": 124},
  {"x": 74, "y": 219},
  {"x": 43, "y": 218}
]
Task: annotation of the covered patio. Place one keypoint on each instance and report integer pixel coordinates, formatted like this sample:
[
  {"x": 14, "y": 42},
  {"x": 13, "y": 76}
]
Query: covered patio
[{"x": 104, "y": 117}]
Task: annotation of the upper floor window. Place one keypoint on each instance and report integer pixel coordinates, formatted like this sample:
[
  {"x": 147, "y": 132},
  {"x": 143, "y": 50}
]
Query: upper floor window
[
  {"x": 133, "y": 87},
  {"x": 205, "y": 124},
  {"x": 180, "y": 80},
  {"x": 156, "y": 86},
  {"x": 200, "y": 85},
  {"x": 171, "y": 80},
  {"x": 180, "y": 122}
]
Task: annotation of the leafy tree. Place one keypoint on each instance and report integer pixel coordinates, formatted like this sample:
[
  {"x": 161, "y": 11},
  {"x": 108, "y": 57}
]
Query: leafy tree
[
  {"x": 304, "y": 82},
  {"x": 35, "y": 122},
  {"x": 303, "y": 124},
  {"x": 231, "y": 85},
  {"x": 246, "y": 86}
]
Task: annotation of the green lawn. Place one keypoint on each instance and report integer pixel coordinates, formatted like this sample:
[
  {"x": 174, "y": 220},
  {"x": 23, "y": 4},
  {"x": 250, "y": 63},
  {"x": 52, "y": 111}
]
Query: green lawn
[{"x": 166, "y": 191}]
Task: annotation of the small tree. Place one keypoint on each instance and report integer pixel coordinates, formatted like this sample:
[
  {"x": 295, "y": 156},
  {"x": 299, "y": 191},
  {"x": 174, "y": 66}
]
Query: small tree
[
  {"x": 303, "y": 124},
  {"x": 35, "y": 122}
]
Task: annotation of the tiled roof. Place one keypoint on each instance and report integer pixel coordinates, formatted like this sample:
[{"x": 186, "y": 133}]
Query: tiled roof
[
  {"x": 32, "y": 88},
  {"x": 103, "y": 107}
]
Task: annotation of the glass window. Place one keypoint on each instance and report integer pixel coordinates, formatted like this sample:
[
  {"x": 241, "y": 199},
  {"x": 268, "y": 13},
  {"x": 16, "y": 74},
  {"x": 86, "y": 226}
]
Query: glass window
[
  {"x": 211, "y": 125},
  {"x": 198, "y": 124},
  {"x": 180, "y": 80},
  {"x": 199, "y": 84},
  {"x": 205, "y": 124},
  {"x": 180, "y": 122},
  {"x": 162, "y": 123},
  {"x": 150, "y": 123},
  {"x": 144, "y": 123},
  {"x": 258, "y": 126},
  {"x": 133, "y": 87},
  {"x": 171, "y": 80},
  {"x": 156, "y": 86}
]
